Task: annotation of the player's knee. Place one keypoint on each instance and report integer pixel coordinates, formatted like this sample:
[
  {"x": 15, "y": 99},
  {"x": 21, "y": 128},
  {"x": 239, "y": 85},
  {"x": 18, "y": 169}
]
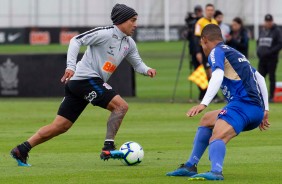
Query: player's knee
[
  {"x": 62, "y": 129},
  {"x": 225, "y": 137},
  {"x": 59, "y": 129},
  {"x": 216, "y": 136},
  {"x": 205, "y": 121},
  {"x": 122, "y": 108}
]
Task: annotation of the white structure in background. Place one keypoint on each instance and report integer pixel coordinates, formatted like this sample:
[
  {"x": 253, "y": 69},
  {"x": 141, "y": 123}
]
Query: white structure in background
[
  {"x": 167, "y": 13},
  {"x": 166, "y": 19},
  {"x": 256, "y": 18}
]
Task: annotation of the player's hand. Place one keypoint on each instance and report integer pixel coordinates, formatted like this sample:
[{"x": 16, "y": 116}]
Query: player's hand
[
  {"x": 152, "y": 73},
  {"x": 264, "y": 125},
  {"x": 68, "y": 74},
  {"x": 195, "y": 110}
]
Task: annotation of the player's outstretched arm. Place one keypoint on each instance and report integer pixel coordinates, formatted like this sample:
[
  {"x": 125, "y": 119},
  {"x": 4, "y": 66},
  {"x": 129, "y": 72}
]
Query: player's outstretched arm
[
  {"x": 137, "y": 63},
  {"x": 214, "y": 85},
  {"x": 263, "y": 89}
]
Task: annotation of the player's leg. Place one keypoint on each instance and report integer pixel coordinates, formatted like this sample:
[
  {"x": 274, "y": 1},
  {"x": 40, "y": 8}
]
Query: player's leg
[
  {"x": 118, "y": 108},
  {"x": 201, "y": 141},
  {"x": 222, "y": 134},
  {"x": 99, "y": 93},
  {"x": 272, "y": 78},
  {"x": 262, "y": 67},
  {"x": 58, "y": 126},
  {"x": 70, "y": 109},
  {"x": 202, "y": 137},
  {"x": 233, "y": 119}
]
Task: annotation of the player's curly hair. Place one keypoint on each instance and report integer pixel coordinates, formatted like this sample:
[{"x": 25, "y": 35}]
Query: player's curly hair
[{"x": 212, "y": 32}]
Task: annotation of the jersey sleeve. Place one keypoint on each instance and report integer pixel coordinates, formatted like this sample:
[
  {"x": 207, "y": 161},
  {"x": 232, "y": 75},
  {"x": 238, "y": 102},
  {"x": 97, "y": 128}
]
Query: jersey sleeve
[
  {"x": 216, "y": 59},
  {"x": 135, "y": 60},
  {"x": 263, "y": 88},
  {"x": 213, "y": 87},
  {"x": 92, "y": 37}
]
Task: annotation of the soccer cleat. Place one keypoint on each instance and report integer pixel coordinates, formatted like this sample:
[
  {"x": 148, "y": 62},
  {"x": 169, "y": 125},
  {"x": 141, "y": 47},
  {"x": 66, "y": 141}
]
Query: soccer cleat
[
  {"x": 114, "y": 154},
  {"x": 207, "y": 176},
  {"x": 184, "y": 170},
  {"x": 19, "y": 157},
  {"x": 109, "y": 151}
]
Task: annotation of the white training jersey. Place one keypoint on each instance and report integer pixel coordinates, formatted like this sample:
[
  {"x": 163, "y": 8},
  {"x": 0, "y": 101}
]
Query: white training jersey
[{"x": 106, "y": 48}]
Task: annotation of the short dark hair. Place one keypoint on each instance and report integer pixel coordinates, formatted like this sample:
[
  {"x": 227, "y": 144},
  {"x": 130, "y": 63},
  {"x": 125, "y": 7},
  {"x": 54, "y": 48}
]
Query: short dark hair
[
  {"x": 209, "y": 5},
  {"x": 212, "y": 32},
  {"x": 238, "y": 20},
  {"x": 217, "y": 13}
]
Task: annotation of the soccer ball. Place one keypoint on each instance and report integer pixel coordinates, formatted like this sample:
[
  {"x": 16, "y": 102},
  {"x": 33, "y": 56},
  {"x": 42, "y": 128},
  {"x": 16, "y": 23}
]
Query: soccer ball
[{"x": 133, "y": 153}]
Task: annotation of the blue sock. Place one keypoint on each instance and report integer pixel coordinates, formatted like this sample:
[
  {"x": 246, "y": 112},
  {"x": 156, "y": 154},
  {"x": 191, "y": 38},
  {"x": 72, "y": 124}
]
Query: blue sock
[
  {"x": 201, "y": 142},
  {"x": 217, "y": 151}
]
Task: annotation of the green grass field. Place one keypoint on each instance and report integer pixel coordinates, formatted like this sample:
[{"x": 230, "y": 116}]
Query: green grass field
[{"x": 162, "y": 128}]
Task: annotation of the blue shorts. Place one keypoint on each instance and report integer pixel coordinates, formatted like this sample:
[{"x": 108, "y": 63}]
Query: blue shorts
[{"x": 242, "y": 116}]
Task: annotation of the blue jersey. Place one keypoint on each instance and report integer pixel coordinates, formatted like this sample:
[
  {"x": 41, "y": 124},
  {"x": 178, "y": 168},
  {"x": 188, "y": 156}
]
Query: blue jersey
[{"x": 239, "y": 82}]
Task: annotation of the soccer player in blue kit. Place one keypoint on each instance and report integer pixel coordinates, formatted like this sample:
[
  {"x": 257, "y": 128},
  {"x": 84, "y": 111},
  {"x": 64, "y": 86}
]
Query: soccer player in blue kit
[{"x": 247, "y": 108}]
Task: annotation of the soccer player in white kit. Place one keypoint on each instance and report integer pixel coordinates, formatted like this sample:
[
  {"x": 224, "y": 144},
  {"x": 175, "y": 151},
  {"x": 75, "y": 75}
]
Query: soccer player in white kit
[{"x": 86, "y": 81}]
